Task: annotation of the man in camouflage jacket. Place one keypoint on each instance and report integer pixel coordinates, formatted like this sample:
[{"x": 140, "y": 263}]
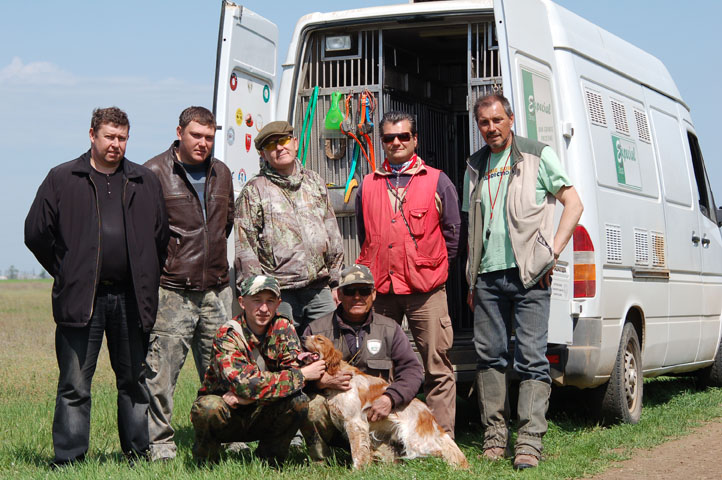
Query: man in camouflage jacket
[
  {"x": 285, "y": 227},
  {"x": 252, "y": 388}
]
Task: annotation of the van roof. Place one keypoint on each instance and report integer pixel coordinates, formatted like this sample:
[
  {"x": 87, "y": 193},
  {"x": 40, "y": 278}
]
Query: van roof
[{"x": 569, "y": 32}]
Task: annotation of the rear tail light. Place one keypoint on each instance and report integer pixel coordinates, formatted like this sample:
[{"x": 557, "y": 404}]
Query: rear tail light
[{"x": 585, "y": 271}]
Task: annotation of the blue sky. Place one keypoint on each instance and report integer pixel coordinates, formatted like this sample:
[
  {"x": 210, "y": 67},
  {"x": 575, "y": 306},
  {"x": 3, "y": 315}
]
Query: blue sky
[{"x": 59, "y": 60}]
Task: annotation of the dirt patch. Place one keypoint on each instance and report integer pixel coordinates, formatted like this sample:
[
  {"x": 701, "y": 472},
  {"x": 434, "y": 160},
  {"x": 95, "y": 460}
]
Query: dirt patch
[{"x": 694, "y": 456}]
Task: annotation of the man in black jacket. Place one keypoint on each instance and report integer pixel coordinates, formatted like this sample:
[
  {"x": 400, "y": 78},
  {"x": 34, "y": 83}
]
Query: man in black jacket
[
  {"x": 195, "y": 297},
  {"x": 98, "y": 226}
]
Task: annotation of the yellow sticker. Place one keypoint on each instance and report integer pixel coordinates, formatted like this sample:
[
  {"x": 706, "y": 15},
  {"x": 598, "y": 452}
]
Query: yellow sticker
[{"x": 239, "y": 117}]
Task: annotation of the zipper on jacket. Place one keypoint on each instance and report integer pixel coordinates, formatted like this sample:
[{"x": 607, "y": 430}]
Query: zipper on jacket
[
  {"x": 97, "y": 258},
  {"x": 127, "y": 242},
  {"x": 203, "y": 216}
]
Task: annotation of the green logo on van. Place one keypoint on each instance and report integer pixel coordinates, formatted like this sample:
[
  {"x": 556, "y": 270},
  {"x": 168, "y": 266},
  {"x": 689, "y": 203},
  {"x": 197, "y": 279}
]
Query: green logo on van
[{"x": 626, "y": 162}]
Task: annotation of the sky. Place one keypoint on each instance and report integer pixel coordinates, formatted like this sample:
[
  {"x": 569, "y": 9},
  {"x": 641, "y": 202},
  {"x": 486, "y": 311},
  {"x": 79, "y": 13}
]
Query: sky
[{"x": 59, "y": 60}]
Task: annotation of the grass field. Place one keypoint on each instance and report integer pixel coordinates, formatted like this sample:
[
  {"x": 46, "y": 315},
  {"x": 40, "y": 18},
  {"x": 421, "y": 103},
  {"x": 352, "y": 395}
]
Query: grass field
[{"x": 574, "y": 447}]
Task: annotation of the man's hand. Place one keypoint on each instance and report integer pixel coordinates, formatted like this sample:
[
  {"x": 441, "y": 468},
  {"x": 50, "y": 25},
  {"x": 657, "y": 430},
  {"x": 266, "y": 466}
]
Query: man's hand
[
  {"x": 546, "y": 280},
  {"x": 313, "y": 371},
  {"x": 380, "y": 409},
  {"x": 233, "y": 400},
  {"x": 340, "y": 381},
  {"x": 470, "y": 300}
]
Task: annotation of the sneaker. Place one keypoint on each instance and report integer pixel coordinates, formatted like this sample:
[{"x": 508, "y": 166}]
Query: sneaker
[{"x": 523, "y": 461}]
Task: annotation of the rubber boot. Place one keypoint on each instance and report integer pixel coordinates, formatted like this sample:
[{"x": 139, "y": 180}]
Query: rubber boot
[
  {"x": 494, "y": 407},
  {"x": 532, "y": 408}
]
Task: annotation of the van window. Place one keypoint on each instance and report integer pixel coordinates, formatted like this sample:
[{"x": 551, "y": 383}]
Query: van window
[
  {"x": 673, "y": 161},
  {"x": 704, "y": 193}
]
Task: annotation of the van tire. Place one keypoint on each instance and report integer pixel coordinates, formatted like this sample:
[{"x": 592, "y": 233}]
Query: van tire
[
  {"x": 712, "y": 376},
  {"x": 622, "y": 396}
]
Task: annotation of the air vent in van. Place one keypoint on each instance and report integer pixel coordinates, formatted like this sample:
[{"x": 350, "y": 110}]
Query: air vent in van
[
  {"x": 642, "y": 126},
  {"x": 641, "y": 247},
  {"x": 658, "y": 258},
  {"x": 614, "y": 243},
  {"x": 620, "y": 118},
  {"x": 595, "y": 108}
]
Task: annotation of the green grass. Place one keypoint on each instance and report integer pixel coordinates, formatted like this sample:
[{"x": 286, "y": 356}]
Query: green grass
[{"x": 574, "y": 447}]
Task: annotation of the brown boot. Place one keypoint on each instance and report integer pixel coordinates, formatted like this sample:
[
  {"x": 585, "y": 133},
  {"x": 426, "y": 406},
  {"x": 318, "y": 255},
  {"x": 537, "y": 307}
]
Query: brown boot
[
  {"x": 493, "y": 454},
  {"x": 523, "y": 461}
]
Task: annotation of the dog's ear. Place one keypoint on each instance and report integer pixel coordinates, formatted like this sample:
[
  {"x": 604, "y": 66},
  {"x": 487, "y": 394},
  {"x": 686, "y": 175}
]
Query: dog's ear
[{"x": 332, "y": 356}]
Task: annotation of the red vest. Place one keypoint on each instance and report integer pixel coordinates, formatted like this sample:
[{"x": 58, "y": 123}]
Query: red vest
[{"x": 389, "y": 250}]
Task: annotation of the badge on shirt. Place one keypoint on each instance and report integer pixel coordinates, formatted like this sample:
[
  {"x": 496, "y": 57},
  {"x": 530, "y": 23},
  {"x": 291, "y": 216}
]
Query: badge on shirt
[{"x": 373, "y": 346}]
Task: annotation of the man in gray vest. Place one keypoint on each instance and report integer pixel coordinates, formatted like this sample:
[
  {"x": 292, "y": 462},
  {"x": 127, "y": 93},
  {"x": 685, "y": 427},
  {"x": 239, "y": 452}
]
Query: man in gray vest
[
  {"x": 374, "y": 344},
  {"x": 513, "y": 183}
]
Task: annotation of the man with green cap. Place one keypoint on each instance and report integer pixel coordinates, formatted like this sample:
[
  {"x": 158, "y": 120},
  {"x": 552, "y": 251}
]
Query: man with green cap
[
  {"x": 252, "y": 388},
  {"x": 285, "y": 227}
]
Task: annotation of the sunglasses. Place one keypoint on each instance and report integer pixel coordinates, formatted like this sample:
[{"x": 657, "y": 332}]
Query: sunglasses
[
  {"x": 390, "y": 137},
  {"x": 352, "y": 291},
  {"x": 283, "y": 141}
]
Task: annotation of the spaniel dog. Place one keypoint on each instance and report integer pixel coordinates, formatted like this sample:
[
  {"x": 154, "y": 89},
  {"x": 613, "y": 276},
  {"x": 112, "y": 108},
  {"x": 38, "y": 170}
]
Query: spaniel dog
[{"x": 410, "y": 431}]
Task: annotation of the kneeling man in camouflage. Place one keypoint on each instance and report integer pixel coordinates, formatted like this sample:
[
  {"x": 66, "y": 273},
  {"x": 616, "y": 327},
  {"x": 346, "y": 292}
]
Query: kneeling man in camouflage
[{"x": 252, "y": 387}]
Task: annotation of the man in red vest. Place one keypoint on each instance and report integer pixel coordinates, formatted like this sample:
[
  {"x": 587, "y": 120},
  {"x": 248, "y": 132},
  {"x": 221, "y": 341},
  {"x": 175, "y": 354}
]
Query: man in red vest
[{"x": 408, "y": 222}]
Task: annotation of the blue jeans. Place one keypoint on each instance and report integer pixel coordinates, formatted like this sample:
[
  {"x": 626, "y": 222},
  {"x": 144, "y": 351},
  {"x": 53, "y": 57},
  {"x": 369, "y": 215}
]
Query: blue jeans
[
  {"x": 502, "y": 304},
  {"x": 303, "y": 305},
  {"x": 115, "y": 314}
]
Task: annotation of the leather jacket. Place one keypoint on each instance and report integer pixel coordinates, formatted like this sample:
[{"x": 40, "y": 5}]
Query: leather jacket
[{"x": 196, "y": 257}]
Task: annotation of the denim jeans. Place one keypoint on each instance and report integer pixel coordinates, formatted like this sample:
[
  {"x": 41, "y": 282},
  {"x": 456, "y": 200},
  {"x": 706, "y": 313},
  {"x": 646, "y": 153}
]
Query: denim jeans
[
  {"x": 186, "y": 320},
  {"x": 115, "y": 314},
  {"x": 503, "y": 305},
  {"x": 304, "y": 305}
]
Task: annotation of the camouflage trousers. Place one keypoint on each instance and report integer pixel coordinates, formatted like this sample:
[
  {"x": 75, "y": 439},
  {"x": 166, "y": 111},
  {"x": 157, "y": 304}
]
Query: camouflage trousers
[
  {"x": 186, "y": 320},
  {"x": 273, "y": 424},
  {"x": 318, "y": 430}
]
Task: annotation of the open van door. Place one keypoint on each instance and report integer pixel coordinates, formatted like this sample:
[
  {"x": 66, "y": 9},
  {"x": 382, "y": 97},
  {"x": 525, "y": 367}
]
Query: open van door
[
  {"x": 528, "y": 64},
  {"x": 243, "y": 99}
]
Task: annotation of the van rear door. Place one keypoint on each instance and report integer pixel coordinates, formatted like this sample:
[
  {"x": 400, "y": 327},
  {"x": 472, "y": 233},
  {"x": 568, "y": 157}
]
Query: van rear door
[
  {"x": 528, "y": 67},
  {"x": 243, "y": 99}
]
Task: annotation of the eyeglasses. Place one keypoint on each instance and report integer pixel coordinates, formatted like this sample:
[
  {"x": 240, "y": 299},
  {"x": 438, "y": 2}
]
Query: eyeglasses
[
  {"x": 283, "y": 141},
  {"x": 390, "y": 137},
  {"x": 352, "y": 291}
]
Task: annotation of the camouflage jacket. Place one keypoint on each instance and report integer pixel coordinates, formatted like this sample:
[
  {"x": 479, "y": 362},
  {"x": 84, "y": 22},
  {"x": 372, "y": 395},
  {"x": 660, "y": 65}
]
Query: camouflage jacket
[
  {"x": 233, "y": 367},
  {"x": 285, "y": 227}
]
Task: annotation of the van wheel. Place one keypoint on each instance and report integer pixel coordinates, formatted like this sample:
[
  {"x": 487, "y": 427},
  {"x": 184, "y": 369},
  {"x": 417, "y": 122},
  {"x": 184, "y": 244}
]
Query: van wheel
[
  {"x": 712, "y": 376},
  {"x": 622, "y": 395}
]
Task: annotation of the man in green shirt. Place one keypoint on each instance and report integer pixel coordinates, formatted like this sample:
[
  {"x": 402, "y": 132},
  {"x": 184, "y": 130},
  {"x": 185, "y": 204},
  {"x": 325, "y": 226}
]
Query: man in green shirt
[{"x": 512, "y": 253}]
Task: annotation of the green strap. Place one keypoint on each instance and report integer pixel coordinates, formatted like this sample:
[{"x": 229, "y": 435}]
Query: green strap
[
  {"x": 307, "y": 125},
  {"x": 352, "y": 170}
]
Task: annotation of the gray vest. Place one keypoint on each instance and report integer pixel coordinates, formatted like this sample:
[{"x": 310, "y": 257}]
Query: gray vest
[{"x": 375, "y": 343}]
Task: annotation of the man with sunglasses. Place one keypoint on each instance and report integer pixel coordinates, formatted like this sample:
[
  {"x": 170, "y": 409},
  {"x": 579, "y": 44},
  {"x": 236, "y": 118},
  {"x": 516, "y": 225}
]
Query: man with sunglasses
[
  {"x": 371, "y": 342},
  {"x": 407, "y": 216},
  {"x": 286, "y": 228}
]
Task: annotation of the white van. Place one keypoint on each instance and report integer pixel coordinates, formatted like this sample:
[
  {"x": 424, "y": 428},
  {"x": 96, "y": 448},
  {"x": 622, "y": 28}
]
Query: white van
[{"x": 638, "y": 292}]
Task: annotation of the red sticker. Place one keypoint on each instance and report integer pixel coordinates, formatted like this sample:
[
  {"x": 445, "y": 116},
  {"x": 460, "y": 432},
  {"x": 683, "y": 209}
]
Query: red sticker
[
  {"x": 234, "y": 81},
  {"x": 249, "y": 120},
  {"x": 248, "y": 142}
]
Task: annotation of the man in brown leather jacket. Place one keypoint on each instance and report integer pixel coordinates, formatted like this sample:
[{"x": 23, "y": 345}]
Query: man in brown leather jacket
[
  {"x": 195, "y": 296},
  {"x": 371, "y": 342}
]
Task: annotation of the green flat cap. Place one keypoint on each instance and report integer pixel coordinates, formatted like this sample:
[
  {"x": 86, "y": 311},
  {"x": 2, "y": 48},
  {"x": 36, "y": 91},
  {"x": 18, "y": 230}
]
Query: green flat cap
[
  {"x": 280, "y": 127},
  {"x": 258, "y": 283},
  {"x": 356, "y": 274}
]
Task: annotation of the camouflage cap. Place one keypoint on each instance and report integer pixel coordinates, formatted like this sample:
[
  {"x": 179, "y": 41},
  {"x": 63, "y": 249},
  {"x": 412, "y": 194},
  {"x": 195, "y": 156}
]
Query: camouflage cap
[
  {"x": 279, "y": 127},
  {"x": 356, "y": 274},
  {"x": 258, "y": 283}
]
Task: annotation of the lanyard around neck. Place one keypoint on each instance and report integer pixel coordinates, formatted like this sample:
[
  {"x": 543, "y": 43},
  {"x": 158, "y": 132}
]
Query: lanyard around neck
[{"x": 498, "y": 187}]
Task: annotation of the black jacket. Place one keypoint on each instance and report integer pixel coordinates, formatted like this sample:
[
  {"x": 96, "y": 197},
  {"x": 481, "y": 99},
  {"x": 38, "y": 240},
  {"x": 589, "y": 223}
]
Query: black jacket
[
  {"x": 197, "y": 258},
  {"x": 62, "y": 230}
]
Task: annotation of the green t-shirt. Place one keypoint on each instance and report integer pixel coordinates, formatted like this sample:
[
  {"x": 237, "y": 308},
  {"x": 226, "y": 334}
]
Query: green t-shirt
[{"x": 498, "y": 254}]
